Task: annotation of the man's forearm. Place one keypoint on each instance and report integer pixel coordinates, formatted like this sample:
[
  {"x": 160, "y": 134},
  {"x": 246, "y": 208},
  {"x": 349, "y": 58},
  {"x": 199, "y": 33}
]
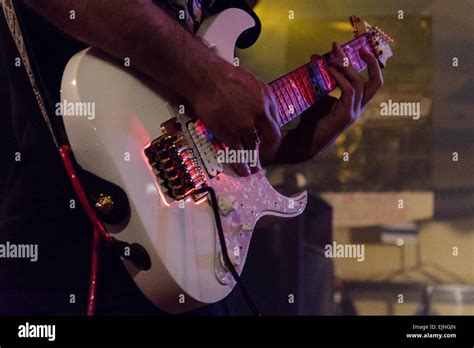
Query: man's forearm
[
  {"x": 140, "y": 30},
  {"x": 230, "y": 101}
]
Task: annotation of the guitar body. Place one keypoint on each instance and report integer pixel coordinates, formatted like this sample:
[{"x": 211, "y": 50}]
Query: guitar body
[{"x": 179, "y": 235}]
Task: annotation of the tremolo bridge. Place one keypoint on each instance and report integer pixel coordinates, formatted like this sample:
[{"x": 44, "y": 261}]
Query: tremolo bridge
[{"x": 173, "y": 161}]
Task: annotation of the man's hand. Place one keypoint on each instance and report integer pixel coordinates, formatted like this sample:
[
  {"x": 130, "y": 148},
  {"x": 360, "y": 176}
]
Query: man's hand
[
  {"x": 321, "y": 126},
  {"x": 230, "y": 101},
  {"x": 232, "y": 104}
]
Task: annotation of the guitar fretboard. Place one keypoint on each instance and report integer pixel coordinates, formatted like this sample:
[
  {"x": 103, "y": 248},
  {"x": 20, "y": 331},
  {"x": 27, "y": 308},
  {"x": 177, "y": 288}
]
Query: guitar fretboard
[{"x": 300, "y": 89}]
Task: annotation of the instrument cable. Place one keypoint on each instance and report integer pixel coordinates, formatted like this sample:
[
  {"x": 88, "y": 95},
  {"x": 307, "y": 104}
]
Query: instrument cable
[{"x": 225, "y": 254}]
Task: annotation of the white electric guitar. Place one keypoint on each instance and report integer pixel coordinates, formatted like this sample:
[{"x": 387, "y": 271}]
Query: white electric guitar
[{"x": 164, "y": 160}]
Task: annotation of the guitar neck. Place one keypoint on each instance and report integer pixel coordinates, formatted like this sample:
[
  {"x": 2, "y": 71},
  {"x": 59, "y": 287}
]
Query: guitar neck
[{"x": 298, "y": 90}]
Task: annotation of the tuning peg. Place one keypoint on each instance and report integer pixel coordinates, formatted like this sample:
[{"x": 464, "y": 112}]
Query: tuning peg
[
  {"x": 387, "y": 38},
  {"x": 354, "y": 19}
]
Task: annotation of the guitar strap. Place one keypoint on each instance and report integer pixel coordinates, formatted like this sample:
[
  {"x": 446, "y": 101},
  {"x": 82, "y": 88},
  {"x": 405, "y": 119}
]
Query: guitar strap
[{"x": 16, "y": 32}]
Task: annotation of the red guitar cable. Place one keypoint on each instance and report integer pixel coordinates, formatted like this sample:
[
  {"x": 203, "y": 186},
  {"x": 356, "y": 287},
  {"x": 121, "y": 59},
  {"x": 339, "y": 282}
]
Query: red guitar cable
[{"x": 99, "y": 230}]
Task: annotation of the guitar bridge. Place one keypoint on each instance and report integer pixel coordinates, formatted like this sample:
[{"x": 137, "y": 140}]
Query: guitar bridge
[{"x": 174, "y": 163}]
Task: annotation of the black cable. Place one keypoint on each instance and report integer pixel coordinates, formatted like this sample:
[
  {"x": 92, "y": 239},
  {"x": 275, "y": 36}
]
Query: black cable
[{"x": 225, "y": 254}]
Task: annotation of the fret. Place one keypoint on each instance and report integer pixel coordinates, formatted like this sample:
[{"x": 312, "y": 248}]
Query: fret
[
  {"x": 281, "y": 108},
  {"x": 357, "y": 59},
  {"x": 358, "y": 45},
  {"x": 277, "y": 94},
  {"x": 286, "y": 98},
  {"x": 301, "y": 91},
  {"x": 348, "y": 54},
  {"x": 281, "y": 112},
  {"x": 302, "y": 88},
  {"x": 305, "y": 86},
  {"x": 281, "y": 100},
  {"x": 297, "y": 88},
  {"x": 296, "y": 91},
  {"x": 324, "y": 80},
  {"x": 312, "y": 74},
  {"x": 351, "y": 50},
  {"x": 360, "y": 61},
  {"x": 294, "y": 101},
  {"x": 310, "y": 92}
]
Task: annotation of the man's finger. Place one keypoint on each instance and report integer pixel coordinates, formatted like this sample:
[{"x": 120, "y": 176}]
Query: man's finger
[
  {"x": 350, "y": 73},
  {"x": 375, "y": 76},
  {"x": 250, "y": 144},
  {"x": 337, "y": 51},
  {"x": 347, "y": 96},
  {"x": 242, "y": 169},
  {"x": 343, "y": 109},
  {"x": 269, "y": 132}
]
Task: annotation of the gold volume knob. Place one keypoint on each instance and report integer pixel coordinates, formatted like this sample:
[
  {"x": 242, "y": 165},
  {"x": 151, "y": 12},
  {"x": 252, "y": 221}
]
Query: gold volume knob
[{"x": 104, "y": 204}]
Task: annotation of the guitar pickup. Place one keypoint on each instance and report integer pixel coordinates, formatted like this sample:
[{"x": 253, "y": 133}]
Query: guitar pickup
[{"x": 207, "y": 147}]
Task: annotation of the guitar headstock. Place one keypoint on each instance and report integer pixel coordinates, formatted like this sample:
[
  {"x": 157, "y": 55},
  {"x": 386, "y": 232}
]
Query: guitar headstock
[{"x": 378, "y": 40}]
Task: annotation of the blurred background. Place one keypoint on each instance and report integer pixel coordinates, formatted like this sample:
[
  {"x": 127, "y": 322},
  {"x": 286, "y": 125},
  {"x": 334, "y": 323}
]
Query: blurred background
[{"x": 419, "y": 259}]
